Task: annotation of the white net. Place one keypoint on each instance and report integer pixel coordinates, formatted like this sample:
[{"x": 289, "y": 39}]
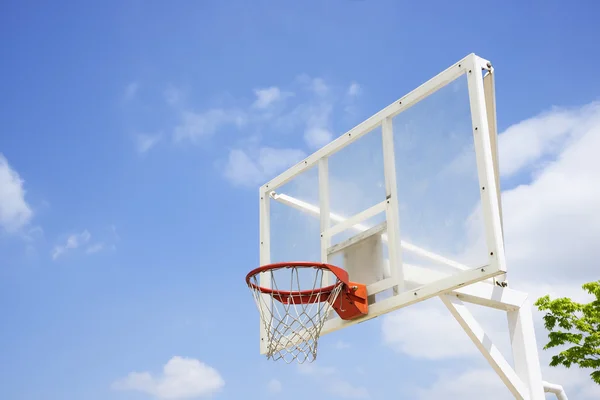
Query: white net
[{"x": 295, "y": 309}]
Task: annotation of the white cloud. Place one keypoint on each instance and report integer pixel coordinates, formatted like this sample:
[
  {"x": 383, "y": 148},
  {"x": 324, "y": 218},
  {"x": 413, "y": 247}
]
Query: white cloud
[
  {"x": 346, "y": 390},
  {"x": 317, "y": 137},
  {"x": 312, "y": 113},
  {"x": 131, "y": 91},
  {"x": 425, "y": 331},
  {"x": 354, "y": 89},
  {"x": 329, "y": 378},
  {"x": 318, "y": 121},
  {"x": 115, "y": 234},
  {"x": 241, "y": 170},
  {"x": 274, "y": 160},
  {"x": 173, "y": 95},
  {"x": 15, "y": 213},
  {"x": 341, "y": 345},
  {"x": 195, "y": 126},
  {"x": 182, "y": 378},
  {"x": 544, "y": 135},
  {"x": 73, "y": 242},
  {"x": 95, "y": 248},
  {"x": 553, "y": 220},
  {"x": 472, "y": 384},
  {"x": 319, "y": 86},
  {"x": 590, "y": 390},
  {"x": 315, "y": 369},
  {"x": 35, "y": 232},
  {"x": 311, "y": 116},
  {"x": 146, "y": 142},
  {"x": 250, "y": 168},
  {"x": 274, "y": 386},
  {"x": 268, "y": 96},
  {"x": 481, "y": 382}
]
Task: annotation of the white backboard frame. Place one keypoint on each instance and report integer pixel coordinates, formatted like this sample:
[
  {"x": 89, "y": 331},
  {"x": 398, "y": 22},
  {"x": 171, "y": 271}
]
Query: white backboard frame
[
  {"x": 484, "y": 134},
  {"x": 411, "y": 283}
]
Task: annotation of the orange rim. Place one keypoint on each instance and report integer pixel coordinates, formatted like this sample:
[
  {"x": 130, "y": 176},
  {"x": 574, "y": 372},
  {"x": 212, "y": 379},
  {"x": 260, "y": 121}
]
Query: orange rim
[{"x": 300, "y": 296}]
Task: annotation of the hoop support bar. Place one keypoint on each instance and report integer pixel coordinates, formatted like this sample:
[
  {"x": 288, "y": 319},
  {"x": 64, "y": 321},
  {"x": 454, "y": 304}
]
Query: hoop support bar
[{"x": 352, "y": 303}]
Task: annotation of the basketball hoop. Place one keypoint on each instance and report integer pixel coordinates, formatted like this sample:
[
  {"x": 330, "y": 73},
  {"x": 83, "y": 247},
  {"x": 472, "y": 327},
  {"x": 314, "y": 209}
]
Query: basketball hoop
[{"x": 293, "y": 317}]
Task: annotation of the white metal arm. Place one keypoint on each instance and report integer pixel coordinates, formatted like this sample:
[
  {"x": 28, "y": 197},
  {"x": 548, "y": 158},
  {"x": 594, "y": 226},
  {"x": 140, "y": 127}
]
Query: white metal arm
[{"x": 556, "y": 389}]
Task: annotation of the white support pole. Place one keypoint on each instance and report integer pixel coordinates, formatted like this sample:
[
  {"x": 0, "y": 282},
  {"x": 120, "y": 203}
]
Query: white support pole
[
  {"x": 406, "y": 298},
  {"x": 524, "y": 350},
  {"x": 485, "y": 165},
  {"x": 358, "y": 218},
  {"x": 265, "y": 258},
  {"x": 314, "y": 210},
  {"x": 556, "y": 389},
  {"x": 392, "y": 209},
  {"x": 324, "y": 216},
  {"x": 491, "y": 296},
  {"x": 490, "y": 105},
  {"x": 486, "y": 347}
]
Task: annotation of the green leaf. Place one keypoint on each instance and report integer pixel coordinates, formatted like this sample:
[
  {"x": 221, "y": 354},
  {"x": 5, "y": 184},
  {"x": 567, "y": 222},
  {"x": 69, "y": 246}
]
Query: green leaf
[{"x": 576, "y": 325}]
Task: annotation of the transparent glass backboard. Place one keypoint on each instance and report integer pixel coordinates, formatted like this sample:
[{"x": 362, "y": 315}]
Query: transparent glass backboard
[{"x": 408, "y": 212}]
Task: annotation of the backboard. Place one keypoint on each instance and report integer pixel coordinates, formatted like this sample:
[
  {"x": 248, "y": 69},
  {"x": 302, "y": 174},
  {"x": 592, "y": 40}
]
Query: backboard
[{"x": 407, "y": 202}]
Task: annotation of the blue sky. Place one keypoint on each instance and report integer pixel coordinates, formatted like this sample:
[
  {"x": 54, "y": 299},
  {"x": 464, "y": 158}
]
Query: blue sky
[{"x": 134, "y": 136}]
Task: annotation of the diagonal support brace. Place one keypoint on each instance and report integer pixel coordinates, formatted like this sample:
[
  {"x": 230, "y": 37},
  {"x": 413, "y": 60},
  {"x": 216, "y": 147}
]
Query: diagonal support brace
[{"x": 486, "y": 347}]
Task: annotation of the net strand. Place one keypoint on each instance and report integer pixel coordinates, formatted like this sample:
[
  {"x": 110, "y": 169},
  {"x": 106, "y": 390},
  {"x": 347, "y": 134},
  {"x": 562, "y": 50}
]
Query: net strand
[{"x": 293, "y": 326}]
